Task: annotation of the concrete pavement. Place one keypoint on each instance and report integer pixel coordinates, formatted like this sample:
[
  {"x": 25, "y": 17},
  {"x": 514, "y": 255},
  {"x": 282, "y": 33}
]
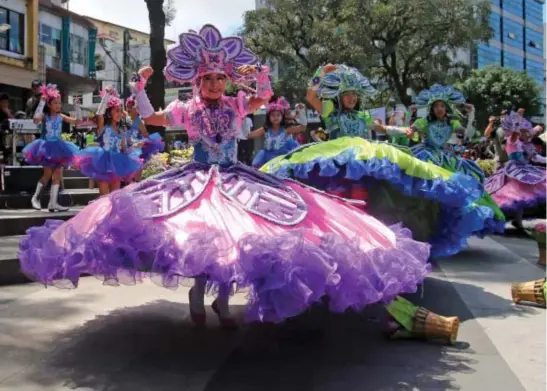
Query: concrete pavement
[{"x": 140, "y": 338}]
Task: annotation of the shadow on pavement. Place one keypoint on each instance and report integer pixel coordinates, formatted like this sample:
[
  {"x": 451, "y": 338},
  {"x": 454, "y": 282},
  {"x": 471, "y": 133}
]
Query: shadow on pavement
[{"x": 154, "y": 347}]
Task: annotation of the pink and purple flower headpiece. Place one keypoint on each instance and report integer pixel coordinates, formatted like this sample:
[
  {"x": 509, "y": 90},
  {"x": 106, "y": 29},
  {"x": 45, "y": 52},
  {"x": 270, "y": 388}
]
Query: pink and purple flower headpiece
[
  {"x": 206, "y": 52},
  {"x": 280, "y": 104},
  {"x": 114, "y": 100},
  {"x": 130, "y": 102},
  {"x": 50, "y": 91}
]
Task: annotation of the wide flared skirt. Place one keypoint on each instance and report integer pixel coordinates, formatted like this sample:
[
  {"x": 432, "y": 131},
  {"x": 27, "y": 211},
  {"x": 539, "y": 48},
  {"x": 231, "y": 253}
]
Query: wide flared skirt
[
  {"x": 439, "y": 206},
  {"x": 102, "y": 165},
  {"x": 291, "y": 245},
  {"x": 516, "y": 187},
  {"x": 50, "y": 153},
  {"x": 265, "y": 155}
]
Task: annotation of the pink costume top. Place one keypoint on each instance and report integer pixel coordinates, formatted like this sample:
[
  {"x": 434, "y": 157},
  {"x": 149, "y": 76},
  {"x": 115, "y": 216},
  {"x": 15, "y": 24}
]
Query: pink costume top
[{"x": 212, "y": 128}]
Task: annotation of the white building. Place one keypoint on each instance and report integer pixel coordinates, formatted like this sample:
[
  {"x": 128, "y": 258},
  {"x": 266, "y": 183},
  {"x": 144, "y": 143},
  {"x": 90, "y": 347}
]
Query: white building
[
  {"x": 67, "y": 39},
  {"x": 109, "y": 57}
]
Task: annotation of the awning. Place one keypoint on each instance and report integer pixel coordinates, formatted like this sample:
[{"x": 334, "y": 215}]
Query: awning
[
  {"x": 73, "y": 84},
  {"x": 15, "y": 76}
]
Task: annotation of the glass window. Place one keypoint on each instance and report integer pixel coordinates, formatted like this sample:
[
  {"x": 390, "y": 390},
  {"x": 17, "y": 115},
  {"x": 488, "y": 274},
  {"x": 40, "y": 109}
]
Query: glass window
[
  {"x": 78, "y": 50},
  {"x": 533, "y": 12},
  {"x": 514, "y": 7},
  {"x": 513, "y": 61},
  {"x": 495, "y": 20},
  {"x": 513, "y": 33},
  {"x": 534, "y": 42},
  {"x": 4, "y": 34},
  {"x": 13, "y": 39},
  {"x": 488, "y": 55},
  {"x": 50, "y": 38}
]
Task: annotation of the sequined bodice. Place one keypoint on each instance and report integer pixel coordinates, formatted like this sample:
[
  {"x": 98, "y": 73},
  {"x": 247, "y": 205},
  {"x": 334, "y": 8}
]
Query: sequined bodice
[
  {"x": 53, "y": 128},
  {"x": 276, "y": 141},
  {"x": 111, "y": 141},
  {"x": 133, "y": 133},
  {"x": 438, "y": 133},
  {"x": 216, "y": 141},
  {"x": 351, "y": 124}
]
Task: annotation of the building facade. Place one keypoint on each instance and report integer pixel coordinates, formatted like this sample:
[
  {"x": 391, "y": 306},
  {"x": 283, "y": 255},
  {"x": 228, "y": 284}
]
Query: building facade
[
  {"x": 19, "y": 60},
  {"x": 109, "y": 55},
  {"x": 518, "y": 39},
  {"x": 68, "y": 42}
]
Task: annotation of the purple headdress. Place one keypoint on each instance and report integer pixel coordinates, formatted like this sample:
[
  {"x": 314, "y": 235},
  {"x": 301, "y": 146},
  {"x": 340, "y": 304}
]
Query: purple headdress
[
  {"x": 113, "y": 100},
  {"x": 280, "y": 104},
  {"x": 515, "y": 123},
  {"x": 207, "y": 52},
  {"x": 50, "y": 91}
]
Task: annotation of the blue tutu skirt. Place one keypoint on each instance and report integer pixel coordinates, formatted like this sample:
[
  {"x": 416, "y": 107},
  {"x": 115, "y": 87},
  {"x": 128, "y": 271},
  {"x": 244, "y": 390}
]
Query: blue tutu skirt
[
  {"x": 108, "y": 166},
  {"x": 50, "y": 153},
  {"x": 265, "y": 155},
  {"x": 152, "y": 144}
]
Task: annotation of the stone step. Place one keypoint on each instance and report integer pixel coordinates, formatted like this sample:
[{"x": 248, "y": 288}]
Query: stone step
[
  {"x": 69, "y": 197},
  {"x": 17, "y": 221}
]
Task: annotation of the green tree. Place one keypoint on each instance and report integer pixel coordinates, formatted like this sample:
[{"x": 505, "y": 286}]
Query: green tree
[
  {"x": 407, "y": 44},
  {"x": 301, "y": 35},
  {"x": 414, "y": 42},
  {"x": 493, "y": 89}
]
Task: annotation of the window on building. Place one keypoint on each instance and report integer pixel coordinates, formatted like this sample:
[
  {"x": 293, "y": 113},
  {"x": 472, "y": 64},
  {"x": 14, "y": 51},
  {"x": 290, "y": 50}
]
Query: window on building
[
  {"x": 78, "y": 50},
  {"x": 13, "y": 38},
  {"x": 534, "y": 42},
  {"x": 533, "y": 12},
  {"x": 50, "y": 38}
]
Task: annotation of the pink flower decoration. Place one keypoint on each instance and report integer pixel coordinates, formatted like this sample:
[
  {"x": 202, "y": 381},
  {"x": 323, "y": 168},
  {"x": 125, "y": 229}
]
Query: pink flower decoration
[{"x": 540, "y": 227}]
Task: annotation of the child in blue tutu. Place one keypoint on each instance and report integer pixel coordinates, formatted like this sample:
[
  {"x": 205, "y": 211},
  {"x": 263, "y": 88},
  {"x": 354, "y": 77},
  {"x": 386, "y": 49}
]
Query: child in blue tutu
[
  {"x": 50, "y": 151},
  {"x": 111, "y": 162},
  {"x": 279, "y": 138},
  {"x": 138, "y": 137}
]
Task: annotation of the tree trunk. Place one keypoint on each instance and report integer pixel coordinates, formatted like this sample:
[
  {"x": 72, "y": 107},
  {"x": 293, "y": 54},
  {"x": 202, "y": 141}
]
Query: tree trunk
[{"x": 156, "y": 85}]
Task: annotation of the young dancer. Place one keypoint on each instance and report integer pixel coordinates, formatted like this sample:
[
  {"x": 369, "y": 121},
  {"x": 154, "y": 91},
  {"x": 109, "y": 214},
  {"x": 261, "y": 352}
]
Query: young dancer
[{"x": 50, "y": 151}]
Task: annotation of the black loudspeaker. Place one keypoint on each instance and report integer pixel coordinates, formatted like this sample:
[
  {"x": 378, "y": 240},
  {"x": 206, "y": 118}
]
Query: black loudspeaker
[{"x": 16, "y": 179}]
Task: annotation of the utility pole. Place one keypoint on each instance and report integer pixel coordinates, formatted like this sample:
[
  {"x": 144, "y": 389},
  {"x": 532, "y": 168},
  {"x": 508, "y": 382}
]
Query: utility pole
[{"x": 126, "y": 63}]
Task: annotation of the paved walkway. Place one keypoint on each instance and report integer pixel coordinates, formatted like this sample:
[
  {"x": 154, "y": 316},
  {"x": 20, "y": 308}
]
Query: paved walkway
[{"x": 140, "y": 339}]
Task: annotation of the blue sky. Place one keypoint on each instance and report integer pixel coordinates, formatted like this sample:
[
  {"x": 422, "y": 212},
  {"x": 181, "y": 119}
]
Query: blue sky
[{"x": 191, "y": 14}]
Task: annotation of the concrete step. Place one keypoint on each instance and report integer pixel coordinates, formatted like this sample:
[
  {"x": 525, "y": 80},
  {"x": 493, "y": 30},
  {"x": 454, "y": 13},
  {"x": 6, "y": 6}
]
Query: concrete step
[
  {"x": 17, "y": 221},
  {"x": 69, "y": 197}
]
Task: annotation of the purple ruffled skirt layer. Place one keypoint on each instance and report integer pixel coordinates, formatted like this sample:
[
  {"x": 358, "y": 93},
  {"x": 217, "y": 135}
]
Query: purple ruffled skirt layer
[{"x": 336, "y": 251}]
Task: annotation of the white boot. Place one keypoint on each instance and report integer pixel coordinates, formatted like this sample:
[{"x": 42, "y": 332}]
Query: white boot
[
  {"x": 53, "y": 205},
  {"x": 35, "y": 200}
]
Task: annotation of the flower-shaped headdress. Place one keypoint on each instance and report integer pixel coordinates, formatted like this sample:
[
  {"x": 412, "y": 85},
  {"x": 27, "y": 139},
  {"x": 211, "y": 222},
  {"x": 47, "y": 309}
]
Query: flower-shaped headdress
[
  {"x": 514, "y": 122},
  {"x": 198, "y": 54},
  {"x": 280, "y": 104},
  {"x": 447, "y": 94},
  {"x": 130, "y": 102},
  {"x": 114, "y": 100},
  {"x": 344, "y": 79},
  {"x": 50, "y": 91}
]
